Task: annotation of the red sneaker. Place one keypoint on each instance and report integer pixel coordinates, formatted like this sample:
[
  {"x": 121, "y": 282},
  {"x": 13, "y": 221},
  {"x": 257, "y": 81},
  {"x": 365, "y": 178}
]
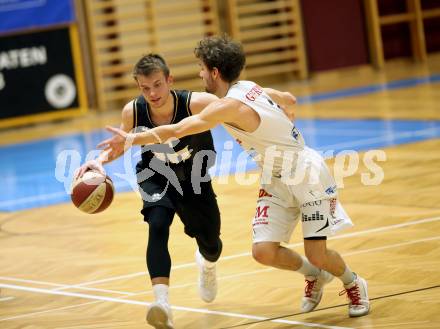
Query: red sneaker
[
  {"x": 313, "y": 290},
  {"x": 357, "y": 294}
]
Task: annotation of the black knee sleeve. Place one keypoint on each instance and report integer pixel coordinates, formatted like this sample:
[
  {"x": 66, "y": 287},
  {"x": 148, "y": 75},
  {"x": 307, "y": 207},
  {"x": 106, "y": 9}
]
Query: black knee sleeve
[
  {"x": 158, "y": 256},
  {"x": 210, "y": 248}
]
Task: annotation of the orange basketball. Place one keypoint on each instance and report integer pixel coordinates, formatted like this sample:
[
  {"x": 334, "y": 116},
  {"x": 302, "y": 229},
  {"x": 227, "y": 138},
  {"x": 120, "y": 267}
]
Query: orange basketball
[{"x": 93, "y": 192}]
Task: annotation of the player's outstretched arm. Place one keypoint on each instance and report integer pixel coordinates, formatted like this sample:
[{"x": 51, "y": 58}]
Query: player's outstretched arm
[
  {"x": 200, "y": 100},
  {"x": 216, "y": 113}
]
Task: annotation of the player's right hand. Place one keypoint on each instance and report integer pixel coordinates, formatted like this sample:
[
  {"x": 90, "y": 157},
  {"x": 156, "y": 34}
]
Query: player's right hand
[{"x": 89, "y": 165}]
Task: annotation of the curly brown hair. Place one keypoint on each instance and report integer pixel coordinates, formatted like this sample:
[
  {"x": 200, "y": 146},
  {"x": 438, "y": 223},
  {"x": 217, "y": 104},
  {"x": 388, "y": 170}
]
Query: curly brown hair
[{"x": 224, "y": 54}]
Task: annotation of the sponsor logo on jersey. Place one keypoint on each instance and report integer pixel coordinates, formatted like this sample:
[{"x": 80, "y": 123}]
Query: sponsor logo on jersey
[
  {"x": 333, "y": 207},
  {"x": 261, "y": 216},
  {"x": 312, "y": 204},
  {"x": 261, "y": 212},
  {"x": 156, "y": 197},
  {"x": 253, "y": 154},
  {"x": 295, "y": 132},
  {"x": 174, "y": 156},
  {"x": 331, "y": 190},
  {"x": 324, "y": 227},
  {"x": 254, "y": 93},
  {"x": 336, "y": 221},
  {"x": 313, "y": 217}
]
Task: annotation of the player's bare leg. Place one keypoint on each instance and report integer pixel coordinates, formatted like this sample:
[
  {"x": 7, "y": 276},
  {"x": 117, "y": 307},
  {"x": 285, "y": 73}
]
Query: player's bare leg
[
  {"x": 330, "y": 261},
  {"x": 275, "y": 255}
]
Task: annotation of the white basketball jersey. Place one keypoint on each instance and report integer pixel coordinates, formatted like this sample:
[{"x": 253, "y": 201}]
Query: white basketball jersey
[{"x": 275, "y": 136}]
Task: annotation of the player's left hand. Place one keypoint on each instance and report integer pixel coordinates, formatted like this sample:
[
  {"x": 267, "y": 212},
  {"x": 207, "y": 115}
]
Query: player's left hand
[
  {"x": 289, "y": 112},
  {"x": 117, "y": 144},
  {"x": 289, "y": 107}
]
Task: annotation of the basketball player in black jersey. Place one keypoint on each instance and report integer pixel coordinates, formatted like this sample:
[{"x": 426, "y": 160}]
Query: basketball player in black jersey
[{"x": 164, "y": 196}]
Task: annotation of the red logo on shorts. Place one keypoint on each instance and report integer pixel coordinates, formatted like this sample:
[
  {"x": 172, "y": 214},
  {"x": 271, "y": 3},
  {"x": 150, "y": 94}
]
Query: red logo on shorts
[
  {"x": 261, "y": 216},
  {"x": 263, "y": 193},
  {"x": 261, "y": 212}
]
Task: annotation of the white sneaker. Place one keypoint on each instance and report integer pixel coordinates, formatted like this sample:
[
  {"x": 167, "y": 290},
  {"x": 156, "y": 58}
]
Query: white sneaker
[
  {"x": 207, "y": 279},
  {"x": 357, "y": 294},
  {"x": 314, "y": 289},
  {"x": 159, "y": 316}
]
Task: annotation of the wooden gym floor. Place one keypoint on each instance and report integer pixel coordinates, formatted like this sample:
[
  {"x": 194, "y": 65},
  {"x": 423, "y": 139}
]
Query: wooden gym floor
[{"x": 63, "y": 269}]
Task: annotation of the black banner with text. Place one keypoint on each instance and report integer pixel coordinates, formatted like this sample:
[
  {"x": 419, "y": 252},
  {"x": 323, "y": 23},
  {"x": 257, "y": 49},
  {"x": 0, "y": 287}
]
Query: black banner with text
[{"x": 37, "y": 73}]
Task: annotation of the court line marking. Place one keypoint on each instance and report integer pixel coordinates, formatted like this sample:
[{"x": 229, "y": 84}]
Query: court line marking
[
  {"x": 178, "y": 308},
  {"x": 4, "y": 299},
  {"x": 245, "y": 254},
  {"x": 394, "y": 137},
  {"x": 397, "y": 324},
  {"x": 63, "y": 286},
  {"x": 369, "y": 89},
  {"x": 226, "y": 277},
  {"x": 340, "y": 305},
  {"x": 348, "y": 254},
  {"x": 346, "y": 132},
  {"x": 27, "y": 315},
  {"x": 81, "y": 285},
  {"x": 220, "y": 278}
]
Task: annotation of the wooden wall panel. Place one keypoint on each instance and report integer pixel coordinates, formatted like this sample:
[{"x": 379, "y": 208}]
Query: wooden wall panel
[
  {"x": 399, "y": 28},
  {"x": 272, "y": 37},
  {"x": 121, "y": 31}
]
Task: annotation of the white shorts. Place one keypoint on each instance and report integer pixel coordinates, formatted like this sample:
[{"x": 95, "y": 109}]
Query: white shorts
[{"x": 280, "y": 206}]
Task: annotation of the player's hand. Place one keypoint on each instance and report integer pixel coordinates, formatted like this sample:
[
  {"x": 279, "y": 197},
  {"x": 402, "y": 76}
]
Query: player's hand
[
  {"x": 89, "y": 165},
  {"x": 290, "y": 112},
  {"x": 289, "y": 105},
  {"x": 118, "y": 143}
]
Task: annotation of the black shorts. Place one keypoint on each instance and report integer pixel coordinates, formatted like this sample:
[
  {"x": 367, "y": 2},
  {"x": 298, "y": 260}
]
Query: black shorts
[{"x": 198, "y": 212}]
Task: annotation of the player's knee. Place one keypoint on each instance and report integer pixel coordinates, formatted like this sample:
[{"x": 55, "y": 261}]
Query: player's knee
[
  {"x": 159, "y": 220},
  {"x": 158, "y": 227},
  {"x": 210, "y": 248},
  {"x": 263, "y": 254}
]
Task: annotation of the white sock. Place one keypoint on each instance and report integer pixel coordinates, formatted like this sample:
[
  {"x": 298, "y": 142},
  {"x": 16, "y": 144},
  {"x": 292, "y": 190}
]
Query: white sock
[
  {"x": 348, "y": 276},
  {"x": 161, "y": 292},
  {"x": 307, "y": 268}
]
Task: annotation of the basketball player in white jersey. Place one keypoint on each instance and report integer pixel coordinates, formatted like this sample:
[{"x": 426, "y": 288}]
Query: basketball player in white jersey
[{"x": 254, "y": 117}]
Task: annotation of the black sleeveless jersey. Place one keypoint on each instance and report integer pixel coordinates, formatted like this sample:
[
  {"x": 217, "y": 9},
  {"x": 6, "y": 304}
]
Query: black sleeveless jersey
[{"x": 179, "y": 157}]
